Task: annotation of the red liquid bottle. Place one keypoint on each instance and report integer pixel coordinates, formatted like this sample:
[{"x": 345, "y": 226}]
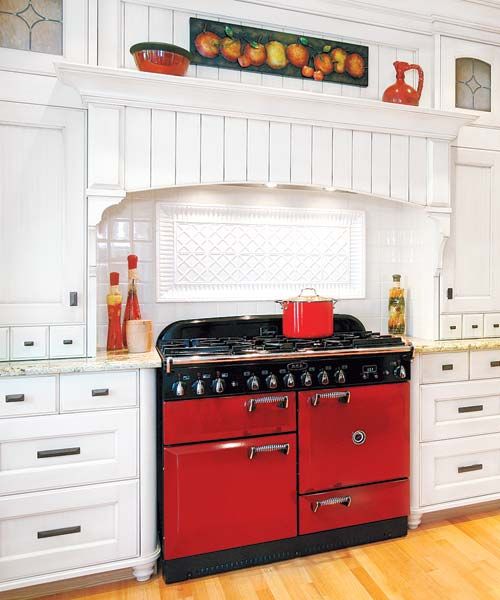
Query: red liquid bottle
[
  {"x": 114, "y": 302},
  {"x": 132, "y": 309}
]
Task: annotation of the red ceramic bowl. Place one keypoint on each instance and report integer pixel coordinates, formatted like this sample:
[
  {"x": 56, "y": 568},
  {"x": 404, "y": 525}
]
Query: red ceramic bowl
[{"x": 155, "y": 57}]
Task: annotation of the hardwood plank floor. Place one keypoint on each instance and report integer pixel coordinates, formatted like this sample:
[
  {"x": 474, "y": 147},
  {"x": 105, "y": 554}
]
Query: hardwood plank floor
[{"x": 455, "y": 559}]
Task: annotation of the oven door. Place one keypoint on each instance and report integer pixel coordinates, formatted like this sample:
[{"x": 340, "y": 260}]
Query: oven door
[
  {"x": 221, "y": 495},
  {"x": 351, "y": 436}
]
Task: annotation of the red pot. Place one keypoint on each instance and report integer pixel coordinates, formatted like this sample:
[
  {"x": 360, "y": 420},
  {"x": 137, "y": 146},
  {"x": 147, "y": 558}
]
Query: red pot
[{"x": 307, "y": 315}]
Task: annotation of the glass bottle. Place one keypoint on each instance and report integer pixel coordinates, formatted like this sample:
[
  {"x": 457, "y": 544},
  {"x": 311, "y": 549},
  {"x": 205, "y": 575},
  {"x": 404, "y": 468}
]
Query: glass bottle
[
  {"x": 397, "y": 320},
  {"x": 132, "y": 308},
  {"x": 114, "y": 302}
]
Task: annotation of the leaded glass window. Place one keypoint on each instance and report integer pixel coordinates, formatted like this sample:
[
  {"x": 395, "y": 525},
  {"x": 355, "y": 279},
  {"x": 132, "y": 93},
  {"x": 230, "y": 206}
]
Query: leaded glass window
[
  {"x": 472, "y": 84},
  {"x": 34, "y": 25}
]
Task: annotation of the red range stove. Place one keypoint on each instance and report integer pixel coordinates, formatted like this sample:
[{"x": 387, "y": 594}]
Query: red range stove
[{"x": 273, "y": 447}]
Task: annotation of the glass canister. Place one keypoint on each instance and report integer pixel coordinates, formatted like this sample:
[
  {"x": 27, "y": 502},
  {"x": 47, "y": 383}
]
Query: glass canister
[{"x": 397, "y": 307}]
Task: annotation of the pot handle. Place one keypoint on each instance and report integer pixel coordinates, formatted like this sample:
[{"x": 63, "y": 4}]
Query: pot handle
[{"x": 308, "y": 288}]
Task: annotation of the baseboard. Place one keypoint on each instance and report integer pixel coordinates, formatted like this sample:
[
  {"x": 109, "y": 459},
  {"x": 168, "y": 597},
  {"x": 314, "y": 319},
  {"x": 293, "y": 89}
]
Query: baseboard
[
  {"x": 67, "y": 585},
  {"x": 460, "y": 512}
]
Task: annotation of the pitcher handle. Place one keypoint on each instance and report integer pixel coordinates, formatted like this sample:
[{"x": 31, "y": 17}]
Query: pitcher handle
[{"x": 420, "y": 72}]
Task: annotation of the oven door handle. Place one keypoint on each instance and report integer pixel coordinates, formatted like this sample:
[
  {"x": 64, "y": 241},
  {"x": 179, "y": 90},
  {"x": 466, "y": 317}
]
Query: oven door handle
[
  {"x": 335, "y": 501},
  {"x": 280, "y": 401},
  {"x": 342, "y": 397},
  {"x": 254, "y": 450}
]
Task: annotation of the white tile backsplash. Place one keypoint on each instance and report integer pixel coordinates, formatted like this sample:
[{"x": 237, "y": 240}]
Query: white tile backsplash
[{"x": 399, "y": 240}]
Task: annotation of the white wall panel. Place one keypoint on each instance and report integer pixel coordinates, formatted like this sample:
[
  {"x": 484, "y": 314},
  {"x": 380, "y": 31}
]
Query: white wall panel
[
  {"x": 235, "y": 149},
  {"x": 342, "y": 158},
  {"x": 386, "y": 72},
  {"x": 212, "y": 148},
  {"x": 105, "y": 126},
  {"x": 362, "y": 161},
  {"x": 279, "y": 152},
  {"x": 160, "y": 25},
  {"x": 163, "y": 148},
  {"x": 258, "y": 150},
  {"x": 188, "y": 137},
  {"x": 135, "y": 29},
  {"x": 322, "y": 147},
  {"x": 137, "y": 148},
  {"x": 301, "y": 154},
  {"x": 439, "y": 173},
  {"x": 381, "y": 164},
  {"x": 418, "y": 170},
  {"x": 181, "y": 34},
  {"x": 399, "y": 167}
]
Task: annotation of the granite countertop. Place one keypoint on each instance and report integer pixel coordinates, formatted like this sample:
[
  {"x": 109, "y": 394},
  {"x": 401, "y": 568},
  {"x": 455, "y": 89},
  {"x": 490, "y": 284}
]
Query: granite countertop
[
  {"x": 430, "y": 346},
  {"x": 104, "y": 361}
]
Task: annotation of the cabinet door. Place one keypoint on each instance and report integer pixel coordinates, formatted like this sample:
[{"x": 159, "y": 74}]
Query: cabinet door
[
  {"x": 471, "y": 273},
  {"x": 42, "y": 214}
]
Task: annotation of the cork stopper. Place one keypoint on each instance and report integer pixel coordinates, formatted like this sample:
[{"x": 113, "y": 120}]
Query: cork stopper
[
  {"x": 132, "y": 261},
  {"x": 114, "y": 278},
  {"x": 396, "y": 278}
]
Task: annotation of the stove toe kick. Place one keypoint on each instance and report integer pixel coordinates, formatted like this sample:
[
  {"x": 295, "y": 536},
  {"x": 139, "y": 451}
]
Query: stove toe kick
[{"x": 212, "y": 563}]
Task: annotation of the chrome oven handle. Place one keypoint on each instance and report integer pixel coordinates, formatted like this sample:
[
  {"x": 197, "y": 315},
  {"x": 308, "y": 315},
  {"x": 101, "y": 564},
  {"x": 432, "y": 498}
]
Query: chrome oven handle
[
  {"x": 342, "y": 397},
  {"x": 281, "y": 401},
  {"x": 344, "y": 500},
  {"x": 254, "y": 450}
]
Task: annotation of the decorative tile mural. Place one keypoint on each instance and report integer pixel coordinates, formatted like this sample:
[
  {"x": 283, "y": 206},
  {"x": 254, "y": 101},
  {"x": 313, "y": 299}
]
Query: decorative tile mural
[
  {"x": 230, "y": 46},
  {"x": 233, "y": 253},
  {"x": 34, "y": 25}
]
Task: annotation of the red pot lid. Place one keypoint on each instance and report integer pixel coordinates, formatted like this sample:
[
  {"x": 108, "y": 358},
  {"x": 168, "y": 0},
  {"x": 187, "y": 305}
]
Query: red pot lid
[{"x": 309, "y": 295}]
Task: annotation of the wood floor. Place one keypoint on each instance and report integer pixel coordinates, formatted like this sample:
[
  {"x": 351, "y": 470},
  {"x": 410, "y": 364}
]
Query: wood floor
[{"x": 455, "y": 559}]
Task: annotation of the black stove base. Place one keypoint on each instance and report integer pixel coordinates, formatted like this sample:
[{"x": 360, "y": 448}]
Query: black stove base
[{"x": 212, "y": 563}]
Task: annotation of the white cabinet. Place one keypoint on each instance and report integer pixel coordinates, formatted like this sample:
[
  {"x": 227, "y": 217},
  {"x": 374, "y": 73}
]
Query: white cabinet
[
  {"x": 471, "y": 270},
  {"x": 42, "y": 214}
]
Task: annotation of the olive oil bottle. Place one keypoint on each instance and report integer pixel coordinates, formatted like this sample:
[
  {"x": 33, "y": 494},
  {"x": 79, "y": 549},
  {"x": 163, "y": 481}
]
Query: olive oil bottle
[{"x": 397, "y": 317}]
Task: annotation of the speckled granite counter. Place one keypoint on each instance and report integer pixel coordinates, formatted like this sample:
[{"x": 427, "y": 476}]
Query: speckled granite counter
[
  {"x": 429, "y": 346},
  {"x": 104, "y": 361}
]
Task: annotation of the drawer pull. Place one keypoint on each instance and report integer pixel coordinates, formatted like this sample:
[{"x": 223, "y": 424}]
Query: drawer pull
[
  {"x": 101, "y": 392},
  {"x": 453, "y": 327},
  {"x": 57, "y": 452},
  {"x": 468, "y": 409},
  {"x": 475, "y": 326},
  {"x": 280, "y": 401},
  {"x": 344, "y": 500},
  {"x": 283, "y": 448},
  {"x": 469, "y": 468},
  {"x": 495, "y": 363},
  {"x": 67, "y": 342},
  {"x": 342, "y": 397},
  {"x": 55, "y": 532},
  {"x": 14, "y": 398},
  {"x": 29, "y": 343},
  {"x": 496, "y": 325},
  {"x": 447, "y": 367}
]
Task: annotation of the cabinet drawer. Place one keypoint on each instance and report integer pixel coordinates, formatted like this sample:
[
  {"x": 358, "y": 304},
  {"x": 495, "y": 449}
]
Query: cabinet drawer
[
  {"x": 485, "y": 364},
  {"x": 61, "y": 450},
  {"x": 4, "y": 343},
  {"x": 67, "y": 341},
  {"x": 354, "y": 505},
  {"x": 451, "y": 327},
  {"x": 445, "y": 366},
  {"x": 91, "y": 391},
  {"x": 452, "y": 410},
  {"x": 206, "y": 419},
  {"x": 461, "y": 468},
  {"x": 65, "y": 529},
  {"x": 492, "y": 325},
  {"x": 472, "y": 326},
  {"x": 23, "y": 396},
  {"x": 29, "y": 342}
]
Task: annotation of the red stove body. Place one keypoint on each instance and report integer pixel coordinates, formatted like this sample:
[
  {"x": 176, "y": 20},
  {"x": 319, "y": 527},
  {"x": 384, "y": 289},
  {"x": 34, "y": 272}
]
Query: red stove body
[{"x": 271, "y": 455}]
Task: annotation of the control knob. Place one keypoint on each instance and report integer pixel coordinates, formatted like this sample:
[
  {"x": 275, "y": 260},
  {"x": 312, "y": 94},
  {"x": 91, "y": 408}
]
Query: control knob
[
  {"x": 306, "y": 379},
  {"x": 323, "y": 378},
  {"x": 253, "y": 383},
  {"x": 218, "y": 385},
  {"x": 339, "y": 376},
  {"x": 400, "y": 372},
  {"x": 289, "y": 380},
  {"x": 199, "y": 387},
  {"x": 179, "y": 388},
  {"x": 272, "y": 381}
]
